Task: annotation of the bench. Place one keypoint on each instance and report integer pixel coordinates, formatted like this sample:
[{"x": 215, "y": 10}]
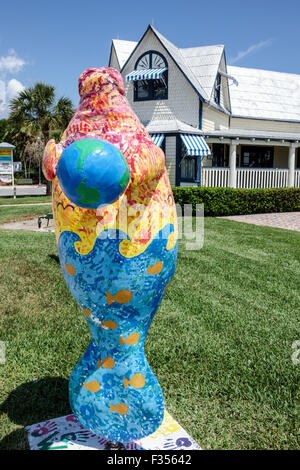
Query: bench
[
  {"x": 24, "y": 181},
  {"x": 47, "y": 217}
]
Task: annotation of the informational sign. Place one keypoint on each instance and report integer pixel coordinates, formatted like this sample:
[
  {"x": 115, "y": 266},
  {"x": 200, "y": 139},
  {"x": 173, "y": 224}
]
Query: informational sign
[
  {"x": 5, "y": 153},
  {"x": 6, "y": 166}
]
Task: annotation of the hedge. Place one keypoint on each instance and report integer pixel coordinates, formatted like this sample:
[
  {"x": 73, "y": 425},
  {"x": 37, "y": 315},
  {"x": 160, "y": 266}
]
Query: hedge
[{"x": 231, "y": 201}]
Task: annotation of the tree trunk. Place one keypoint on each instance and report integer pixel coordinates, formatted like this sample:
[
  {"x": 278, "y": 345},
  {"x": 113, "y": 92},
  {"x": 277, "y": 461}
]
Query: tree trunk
[{"x": 49, "y": 188}]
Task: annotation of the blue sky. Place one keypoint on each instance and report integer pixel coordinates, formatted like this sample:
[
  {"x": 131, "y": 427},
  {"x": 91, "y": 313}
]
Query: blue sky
[{"x": 54, "y": 41}]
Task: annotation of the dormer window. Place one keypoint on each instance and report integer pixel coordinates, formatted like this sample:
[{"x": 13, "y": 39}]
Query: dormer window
[
  {"x": 150, "y": 77},
  {"x": 217, "y": 90}
]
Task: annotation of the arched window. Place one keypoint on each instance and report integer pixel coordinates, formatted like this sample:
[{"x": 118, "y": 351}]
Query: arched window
[{"x": 151, "y": 88}]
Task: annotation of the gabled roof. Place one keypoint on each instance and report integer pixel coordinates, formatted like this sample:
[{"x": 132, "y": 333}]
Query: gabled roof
[
  {"x": 178, "y": 58},
  {"x": 204, "y": 63},
  {"x": 123, "y": 50},
  {"x": 264, "y": 94},
  {"x": 260, "y": 94}
]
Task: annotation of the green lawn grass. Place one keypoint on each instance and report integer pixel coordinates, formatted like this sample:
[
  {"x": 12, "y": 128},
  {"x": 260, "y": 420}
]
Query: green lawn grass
[
  {"x": 24, "y": 200},
  {"x": 220, "y": 344},
  {"x": 15, "y": 213}
]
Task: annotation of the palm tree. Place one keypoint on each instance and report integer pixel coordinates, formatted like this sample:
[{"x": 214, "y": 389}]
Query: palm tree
[{"x": 35, "y": 112}]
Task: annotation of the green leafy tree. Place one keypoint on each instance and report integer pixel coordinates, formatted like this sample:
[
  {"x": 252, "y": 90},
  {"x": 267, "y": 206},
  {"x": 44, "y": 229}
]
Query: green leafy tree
[
  {"x": 3, "y": 129},
  {"x": 35, "y": 112}
]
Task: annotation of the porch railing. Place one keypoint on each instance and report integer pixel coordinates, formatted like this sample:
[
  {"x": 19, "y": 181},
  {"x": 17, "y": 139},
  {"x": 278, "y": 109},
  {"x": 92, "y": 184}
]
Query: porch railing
[
  {"x": 261, "y": 178},
  {"x": 214, "y": 176},
  {"x": 248, "y": 177}
]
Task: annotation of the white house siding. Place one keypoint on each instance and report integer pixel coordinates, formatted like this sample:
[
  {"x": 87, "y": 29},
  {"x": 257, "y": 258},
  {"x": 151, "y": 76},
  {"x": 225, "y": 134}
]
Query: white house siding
[
  {"x": 264, "y": 125},
  {"x": 182, "y": 102},
  {"x": 170, "y": 153},
  {"x": 113, "y": 60},
  {"x": 213, "y": 120}
]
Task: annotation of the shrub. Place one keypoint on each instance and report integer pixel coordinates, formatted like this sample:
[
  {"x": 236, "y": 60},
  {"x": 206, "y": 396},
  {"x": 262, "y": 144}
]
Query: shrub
[{"x": 231, "y": 201}]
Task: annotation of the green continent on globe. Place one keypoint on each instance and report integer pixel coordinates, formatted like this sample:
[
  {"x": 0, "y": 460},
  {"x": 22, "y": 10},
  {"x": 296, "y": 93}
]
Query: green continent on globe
[
  {"x": 85, "y": 147},
  {"x": 124, "y": 178},
  {"x": 88, "y": 196}
]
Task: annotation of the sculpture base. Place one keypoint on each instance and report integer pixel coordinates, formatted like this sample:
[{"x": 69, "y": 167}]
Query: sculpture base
[{"x": 66, "y": 433}]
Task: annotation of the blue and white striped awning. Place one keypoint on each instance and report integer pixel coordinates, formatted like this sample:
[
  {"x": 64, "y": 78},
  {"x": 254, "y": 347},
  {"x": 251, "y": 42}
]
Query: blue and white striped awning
[
  {"x": 195, "y": 145},
  {"x": 157, "y": 139},
  {"x": 147, "y": 74}
]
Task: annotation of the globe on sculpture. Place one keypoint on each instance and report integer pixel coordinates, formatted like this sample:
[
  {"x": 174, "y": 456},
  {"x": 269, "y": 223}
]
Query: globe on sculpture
[{"x": 92, "y": 173}]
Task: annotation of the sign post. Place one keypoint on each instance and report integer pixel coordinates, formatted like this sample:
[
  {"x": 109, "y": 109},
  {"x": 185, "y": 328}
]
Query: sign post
[{"x": 7, "y": 163}]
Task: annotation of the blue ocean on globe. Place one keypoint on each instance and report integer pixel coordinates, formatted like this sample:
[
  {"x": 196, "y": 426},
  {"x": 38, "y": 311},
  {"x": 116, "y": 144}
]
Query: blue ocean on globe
[{"x": 92, "y": 173}]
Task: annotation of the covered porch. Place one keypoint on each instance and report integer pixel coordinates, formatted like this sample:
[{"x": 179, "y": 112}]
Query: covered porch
[{"x": 255, "y": 161}]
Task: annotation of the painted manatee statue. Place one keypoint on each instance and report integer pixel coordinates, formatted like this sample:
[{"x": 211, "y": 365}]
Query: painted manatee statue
[{"x": 116, "y": 230}]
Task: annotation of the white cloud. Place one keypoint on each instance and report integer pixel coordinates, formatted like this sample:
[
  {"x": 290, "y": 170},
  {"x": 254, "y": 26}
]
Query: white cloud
[
  {"x": 255, "y": 47},
  {"x": 7, "y": 92},
  {"x": 11, "y": 63},
  {"x": 2, "y": 97},
  {"x": 13, "y": 88}
]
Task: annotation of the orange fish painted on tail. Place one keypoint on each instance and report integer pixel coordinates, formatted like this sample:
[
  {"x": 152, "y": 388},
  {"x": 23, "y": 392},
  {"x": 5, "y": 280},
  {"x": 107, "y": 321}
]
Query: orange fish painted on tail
[
  {"x": 109, "y": 325},
  {"x": 92, "y": 386},
  {"x": 86, "y": 312},
  {"x": 136, "y": 381},
  {"x": 107, "y": 363},
  {"x": 119, "y": 408},
  {"x": 70, "y": 269},
  {"x": 121, "y": 297},
  {"x": 156, "y": 268},
  {"x": 131, "y": 339}
]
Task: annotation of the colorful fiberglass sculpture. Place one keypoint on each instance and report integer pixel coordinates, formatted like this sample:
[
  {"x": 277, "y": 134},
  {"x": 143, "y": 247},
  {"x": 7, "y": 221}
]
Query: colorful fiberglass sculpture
[{"x": 116, "y": 230}]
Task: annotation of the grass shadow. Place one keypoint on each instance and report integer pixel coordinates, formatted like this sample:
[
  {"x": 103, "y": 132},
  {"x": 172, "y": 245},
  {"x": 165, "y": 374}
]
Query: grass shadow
[
  {"x": 16, "y": 440},
  {"x": 32, "y": 403},
  {"x": 54, "y": 258}
]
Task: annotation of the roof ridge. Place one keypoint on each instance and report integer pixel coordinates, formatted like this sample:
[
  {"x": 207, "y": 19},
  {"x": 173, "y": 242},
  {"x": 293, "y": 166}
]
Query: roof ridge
[
  {"x": 198, "y": 47},
  {"x": 124, "y": 40}
]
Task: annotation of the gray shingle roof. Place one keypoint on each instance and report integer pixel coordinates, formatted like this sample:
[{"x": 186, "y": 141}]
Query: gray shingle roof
[
  {"x": 123, "y": 50},
  {"x": 204, "y": 63},
  {"x": 171, "y": 125},
  {"x": 265, "y": 94},
  {"x": 256, "y": 134}
]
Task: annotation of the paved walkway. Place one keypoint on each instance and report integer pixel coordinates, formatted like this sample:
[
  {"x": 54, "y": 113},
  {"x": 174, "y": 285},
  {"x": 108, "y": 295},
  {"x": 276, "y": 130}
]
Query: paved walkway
[
  {"x": 287, "y": 220},
  {"x": 24, "y": 190},
  {"x": 27, "y": 204},
  {"x": 31, "y": 224}
]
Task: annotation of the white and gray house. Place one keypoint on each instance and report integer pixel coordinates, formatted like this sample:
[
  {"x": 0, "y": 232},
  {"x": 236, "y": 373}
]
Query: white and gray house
[{"x": 218, "y": 125}]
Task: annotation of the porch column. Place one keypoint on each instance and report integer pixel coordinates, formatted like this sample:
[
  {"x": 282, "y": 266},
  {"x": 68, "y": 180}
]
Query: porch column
[
  {"x": 232, "y": 164},
  {"x": 291, "y": 165}
]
